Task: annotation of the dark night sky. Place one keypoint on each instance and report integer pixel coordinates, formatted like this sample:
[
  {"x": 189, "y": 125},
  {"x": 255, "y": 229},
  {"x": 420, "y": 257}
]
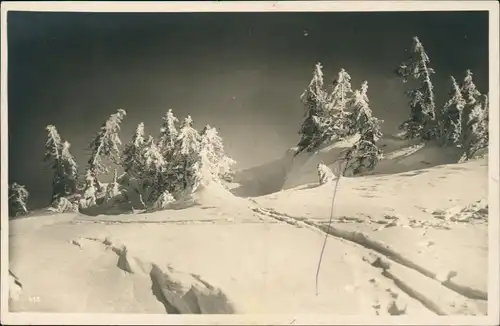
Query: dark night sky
[{"x": 240, "y": 72}]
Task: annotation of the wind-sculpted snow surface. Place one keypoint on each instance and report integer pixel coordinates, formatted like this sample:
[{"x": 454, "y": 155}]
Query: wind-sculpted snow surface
[
  {"x": 242, "y": 266},
  {"x": 218, "y": 253}
]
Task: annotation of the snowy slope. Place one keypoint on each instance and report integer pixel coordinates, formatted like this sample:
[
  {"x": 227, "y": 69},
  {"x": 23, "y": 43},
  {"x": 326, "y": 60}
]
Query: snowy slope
[
  {"x": 219, "y": 253},
  {"x": 291, "y": 171},
  {"x": 413, "y": 212}
]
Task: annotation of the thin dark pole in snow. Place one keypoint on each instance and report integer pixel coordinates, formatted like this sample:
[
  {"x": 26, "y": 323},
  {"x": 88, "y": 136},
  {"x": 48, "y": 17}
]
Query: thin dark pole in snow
[{"x": 341, "y": 173}]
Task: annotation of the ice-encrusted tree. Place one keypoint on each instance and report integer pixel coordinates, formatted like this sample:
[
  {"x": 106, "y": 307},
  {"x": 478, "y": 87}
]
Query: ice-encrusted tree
[
  {"x": 53, "y": 144},
  {"x": 154, "y": 172},
  {"x": 168, "y": 134},
  {"x": 185, "y": 156},
  {"x": 105, "y": 146},
  {"x": 70, "y": 170},
  {"x": 361, "y": 119},
  {"x": 313, "y": 128},
  {"x": 450, "y": 118},
  {"x": 422, "y": 121},
  {"x": 53, "y": 148},
  {"x": 476, "y": 130},
  {"x": 212, "y": 143},
  {"x": 202, "y": 170},
  {"x": 18, "y": 198},
  {"x": 65, "y": 179},
  {"x": 337, "y": 104},
  {"x": 89, "y": 197},
  {"x": 133, "y": 153},
  {"x": 470, "y": 94}
]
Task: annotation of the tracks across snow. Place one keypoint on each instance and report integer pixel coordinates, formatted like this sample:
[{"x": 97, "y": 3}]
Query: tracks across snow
[{"x": 410, "y": 277}]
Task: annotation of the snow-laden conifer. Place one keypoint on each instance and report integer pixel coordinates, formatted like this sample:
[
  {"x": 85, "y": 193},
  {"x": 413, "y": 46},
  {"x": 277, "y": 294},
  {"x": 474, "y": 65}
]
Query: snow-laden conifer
[
  {"x": 337, "y": 116},
  {"x": 65, "y": 178},
  {"x": 422, "y": 121},
  {"x": 313, "y": 128},
  {"x": 133, "y": 153},
  {"x": 212, "y": 143},
  {"x": 471, "y": 96},
  {"x": 451, "y": 116},
  {"x": 168, "y": 134},
  {"x": 361, "y": 119},
  {"x": 477, "y": 134},
  {"x": 185, "y": 156},
  {"x": 53, "y": 145},
  {"x": 468, "y": 89},
  {"x": 18, "y": 198},
  {"x": 106, "y": 146},
  {"x": 89, "y": 197},
  {"x": 70, "y": 170}
]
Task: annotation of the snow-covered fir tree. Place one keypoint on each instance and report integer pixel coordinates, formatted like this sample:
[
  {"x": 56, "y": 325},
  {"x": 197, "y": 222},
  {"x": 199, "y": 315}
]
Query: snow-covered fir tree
[
  {"x": 70, "y": 170},
  {"x": 65, "y": 179},
  {"x": 477, "y": 129},
  {"x": 185, "y": 156},
  {"x": 168, "y": 134},
  {"x": 133, "y": 153},
  {"x": 154, "y": 173},
  {"x": 337, "y": 103},
  {"x": 212, "y": 143},
  {"x": 313, "y": 129},
  {"x": 105, "y": 146},
  {"x": 471, "y": 95},
  {"x": 201, "y": 171},
  {"x": 422, "y": 121},
  {"x": 18, "y": 198},
  {"x": 144, "y": 164},
  {"x": 53, "y": 144},
  {"x": 90, "y": 192},
  {"x": 361, "y": 119},
  {"x": 450, "y": 118}
]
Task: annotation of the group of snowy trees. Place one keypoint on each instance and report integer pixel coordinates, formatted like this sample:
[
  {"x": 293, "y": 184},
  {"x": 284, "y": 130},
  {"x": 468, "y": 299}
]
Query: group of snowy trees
[
  {"x": 177, "y": 164},
  {"x": 159, "y": 170},
  {"x": 333, "y": 116},
  {"x": 463, "y": 119}
]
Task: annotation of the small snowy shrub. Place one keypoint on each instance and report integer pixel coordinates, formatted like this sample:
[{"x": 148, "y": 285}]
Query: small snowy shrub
[{"x": 18, "y": 197}]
